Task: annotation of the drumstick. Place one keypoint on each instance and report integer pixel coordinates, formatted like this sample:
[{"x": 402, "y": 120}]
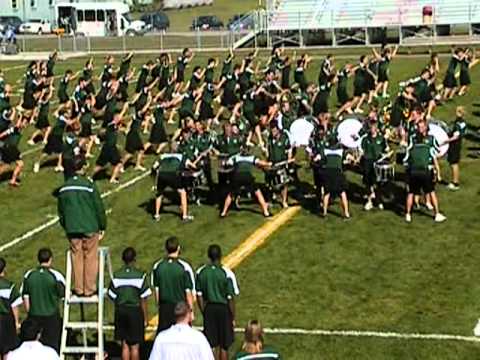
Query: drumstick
[{"x": 386, "y": 156}]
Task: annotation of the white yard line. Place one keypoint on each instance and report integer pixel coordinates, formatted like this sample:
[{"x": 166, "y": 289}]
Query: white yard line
[
  {"x": 13, "y": 67},
  {"x": 53, "y": 221}
]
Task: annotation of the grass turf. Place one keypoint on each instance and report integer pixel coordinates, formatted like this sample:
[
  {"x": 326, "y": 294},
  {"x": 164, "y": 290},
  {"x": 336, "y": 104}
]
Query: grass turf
[{"x": 373, "y": 273}]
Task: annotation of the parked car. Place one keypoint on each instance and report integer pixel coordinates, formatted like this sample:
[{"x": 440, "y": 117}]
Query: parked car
[
  {"x": 36, "y": 26},
  {"x": 210, "y": 22},
  {"x": 240, "y": 22},
  {"x": 158, "y": 20},
  {"x": 13, "y": 21}
]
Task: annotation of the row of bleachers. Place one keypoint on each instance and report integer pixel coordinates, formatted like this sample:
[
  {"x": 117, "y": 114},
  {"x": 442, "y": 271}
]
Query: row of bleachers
[{"x": 327, "y": 14}]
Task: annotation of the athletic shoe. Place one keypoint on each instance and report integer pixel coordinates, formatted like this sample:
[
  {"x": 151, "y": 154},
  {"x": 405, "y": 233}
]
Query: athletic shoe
[
  {"x": 140, "y": 168},
  {"x": 408, "y": 218},
  {"x": 114, "y": 181},
  {"x": 31, "y": 142},
  {"x": 187, "y": 218},
  {"x": 476, "y": 330},
  {"x": 368, "y": 206},
  {"x": 156, "y": 218},
  {"x": 440, "y": 218},
  {"x": 380, "y": 206},
  {"x": 58, "y": 169},
  {"x": 429, "y": 206},
  {"x": 453, "y": 187},
  {"x": 36, "y": 168}
]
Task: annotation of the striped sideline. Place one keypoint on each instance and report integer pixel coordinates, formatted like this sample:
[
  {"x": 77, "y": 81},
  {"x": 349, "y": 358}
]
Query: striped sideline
[
  {"x": 53, "y": 221},
  {"x": 245, "y": 249}
]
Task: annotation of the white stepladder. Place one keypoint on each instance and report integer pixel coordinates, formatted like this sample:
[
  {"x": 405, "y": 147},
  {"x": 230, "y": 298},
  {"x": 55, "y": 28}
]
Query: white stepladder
[{"x": 82, "y": 325}]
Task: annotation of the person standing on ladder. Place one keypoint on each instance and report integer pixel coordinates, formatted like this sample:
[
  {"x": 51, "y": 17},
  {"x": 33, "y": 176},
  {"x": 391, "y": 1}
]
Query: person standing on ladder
[
  {"x": 129, "y": 290},
  {"x": 43, "y": 289},
  {"x": 82, "y": 215}
]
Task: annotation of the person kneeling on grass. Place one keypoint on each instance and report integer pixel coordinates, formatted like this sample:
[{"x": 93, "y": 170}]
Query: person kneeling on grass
[
  {"x": 169, "y": 170},
  {"x": 253, "y": 344},
  {"x": 242, "y": 178},
  {"x": 129, "y": 290}
]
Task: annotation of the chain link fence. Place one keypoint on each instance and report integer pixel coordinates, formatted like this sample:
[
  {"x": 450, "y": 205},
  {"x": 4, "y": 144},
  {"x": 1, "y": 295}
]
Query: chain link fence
[{"x": 152, "y": 41}]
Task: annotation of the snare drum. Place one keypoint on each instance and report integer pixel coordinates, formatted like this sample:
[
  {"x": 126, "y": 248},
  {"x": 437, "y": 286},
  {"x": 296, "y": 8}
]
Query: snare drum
[
  {"x": 384, "y": 172},
  {"x": 279, "y": 178}
]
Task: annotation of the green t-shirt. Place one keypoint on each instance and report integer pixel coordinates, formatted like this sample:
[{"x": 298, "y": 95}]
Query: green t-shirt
[
  {"x": 216, "y": 284},
  {"x": 171, "y": 163},
  {"x": 373, "y": 148},
  {"x": 278, "y": 148},
  {"x": 334, "y": 158},
  {"x": 266, "y": 354},
  {"x": 45, "y": 287},
  {"x": 9, "y": 296},
  {"x": 173, "y": 278},
  {"x": 128, "y": 286}
]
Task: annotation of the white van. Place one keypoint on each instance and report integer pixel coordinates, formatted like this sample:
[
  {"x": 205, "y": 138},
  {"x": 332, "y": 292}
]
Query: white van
[{"x": 98, "y": 19}]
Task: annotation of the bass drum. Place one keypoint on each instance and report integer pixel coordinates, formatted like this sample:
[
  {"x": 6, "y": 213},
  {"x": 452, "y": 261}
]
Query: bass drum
[
  {"x": 348, "y": 131},
  {"x": 300, "y": 132},
  {"x": 439, "y": 130}
]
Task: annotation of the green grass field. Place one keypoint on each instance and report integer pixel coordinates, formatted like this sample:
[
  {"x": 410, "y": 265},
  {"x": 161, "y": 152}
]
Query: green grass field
[{"x": 374, "y": 273}]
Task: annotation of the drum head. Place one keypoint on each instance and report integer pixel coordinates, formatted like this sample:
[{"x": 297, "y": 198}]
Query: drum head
[
  {"x": 300, "y": 132},
  {"x": 347, "y": 129},
  {"x": 437, "y": 130}
]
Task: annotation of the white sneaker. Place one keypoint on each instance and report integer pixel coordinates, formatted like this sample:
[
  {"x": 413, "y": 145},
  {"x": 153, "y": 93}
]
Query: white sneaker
[
  {"x": 440, "y": 218},
  {"x": 140, "y": 168},
  {"x": 476, "y": 330},
  {"x": 453, "y": 187},
  {"x": 368, "y": 206},
  {"x": 58, "y": 169},
  {"x": 408, "y": 218},
  {"x": 31, "y": 142},
  {"x": 429, "y": 206},
  {"x": 380, "y": 206},
  {"x": 36, "y": 168}
]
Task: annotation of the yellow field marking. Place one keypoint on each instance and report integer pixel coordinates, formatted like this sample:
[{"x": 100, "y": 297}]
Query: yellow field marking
[{"x": 246, "y": 248}]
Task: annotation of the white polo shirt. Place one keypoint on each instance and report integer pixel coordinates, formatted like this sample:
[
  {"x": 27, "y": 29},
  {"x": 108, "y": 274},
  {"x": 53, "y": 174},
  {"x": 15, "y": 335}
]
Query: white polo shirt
[
  {"x": 181, "y": 342},
  {"x": 33, "y": 350}
]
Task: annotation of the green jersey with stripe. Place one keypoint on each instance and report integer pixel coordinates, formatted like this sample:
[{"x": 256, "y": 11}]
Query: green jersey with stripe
[
  {"x": 421, "y": 152},
  {"x": 172, "y": 278},
  {"x": 373, "y": 147},
  {"x": 334, "y": 158},
  {"x": 9, "y": 296},
  {"x": 216, "y": 284},
  {"x": 278, "y": 148},
  {"x": 129, "y": 286},
  {"x": 44, "y": 287},
  {"x": 265, "y": 354}
]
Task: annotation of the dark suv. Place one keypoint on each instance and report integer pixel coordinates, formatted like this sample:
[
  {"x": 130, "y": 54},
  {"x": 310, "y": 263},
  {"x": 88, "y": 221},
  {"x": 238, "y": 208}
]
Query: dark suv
[
  {"x": 13, "y": 21},
  {"x": 159, "y": 20},
  {"x": 209, "y": 22}
]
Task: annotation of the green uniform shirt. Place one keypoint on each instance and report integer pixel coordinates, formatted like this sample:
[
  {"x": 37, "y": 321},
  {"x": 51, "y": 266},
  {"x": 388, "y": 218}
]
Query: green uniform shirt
[
  {"x": 299, "y": 77},
  {"x": 334, "y": 158},
  {"x": 170, "y": 163},
  {"x": 266, "y": 354},
  {"x": 44, "y": 287},
  {"x": 172, "y": 278},
  {"x": 204, "y": 141},
  {"x": 208, "y": 93},
  {"x": 195, "y": 82},
  {"x": 188, "y": 103},
  {"x": 128, "y": 286},
  {"x": 9, "y": 296},
  {"x": 229, "y": 145},
  {"x": 209, "y": 73},
  {"x": 420, "y": 153},
  {"x": 242, "y": 163},
  {"x": 62, "y": 88},
  {"x": 80, "y": 207},
  {"x": 227, "y": 66},
  {"x": 216, "y": 284},
  {"x": 373, "y": 147},
  {"x": 278, "y": 148}
]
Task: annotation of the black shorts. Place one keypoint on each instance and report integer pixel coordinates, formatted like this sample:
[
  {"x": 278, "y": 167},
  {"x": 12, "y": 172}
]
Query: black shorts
[
  {"x": 169, "y": 179},
  {"x": 243, "y": 180},
  {"x": 218, "y": 326},
  {"x": 206, "y": 112},
  {"x": 421, "y": 181},
  {"x": 183, "y": 114},
  {"x": 335, "y": 182},
  {"x": 129, "y": 324},
  {"x": 51, "y": 330},
  {"x": 342, "y": 96},
  {"x": 108, "y": 155},
  {"x": 54, "y": 145},
  {"x": 158, "y": 135},
  {"x": 86, "y": 130},
  {"x": 229, "y": 100},
  {"x": 10, "y": 154},
  {"x": 454, "y": 151},
  {"x": 319, "y": 177},
  {"x": 383, "y": 76},
  {"x": 42, "y": 123},
  {"x": 166, "y": 316},
  {"x": 465, "y": 79},
  {"x": 8, "y": 334},
  {"x": 359, "y": 91}
]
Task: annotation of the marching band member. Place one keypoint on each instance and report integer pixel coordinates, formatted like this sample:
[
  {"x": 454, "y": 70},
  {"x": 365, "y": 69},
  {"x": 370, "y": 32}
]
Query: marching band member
[
  {"x": 169, "y": 170},
  {"x": 344, "y": 100},
  {"x": 9, "y": 152},
  {"x": 227, "y": 146},
  {"x": 455, "y": 147},
  {"x": 335, "y": 182},
  {"x": 326, "y": 70},
  {"x": 384, "y": 60},
  {"x": 42, "y": 124},
  {"x": 373, "y": 148},
  {"x": 316, "y": 152},
  {"x": 450, "y": 81},
  {"x": 420, "y": 158},
  {"x": 466, "y": 64},
  {"x": 279, "y": 153},
  {"x": 242, "y": 178}
]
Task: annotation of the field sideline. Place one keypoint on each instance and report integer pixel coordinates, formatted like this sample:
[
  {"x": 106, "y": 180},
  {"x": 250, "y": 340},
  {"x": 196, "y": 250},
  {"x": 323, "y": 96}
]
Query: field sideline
[{"x": 373, "y": 274}]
